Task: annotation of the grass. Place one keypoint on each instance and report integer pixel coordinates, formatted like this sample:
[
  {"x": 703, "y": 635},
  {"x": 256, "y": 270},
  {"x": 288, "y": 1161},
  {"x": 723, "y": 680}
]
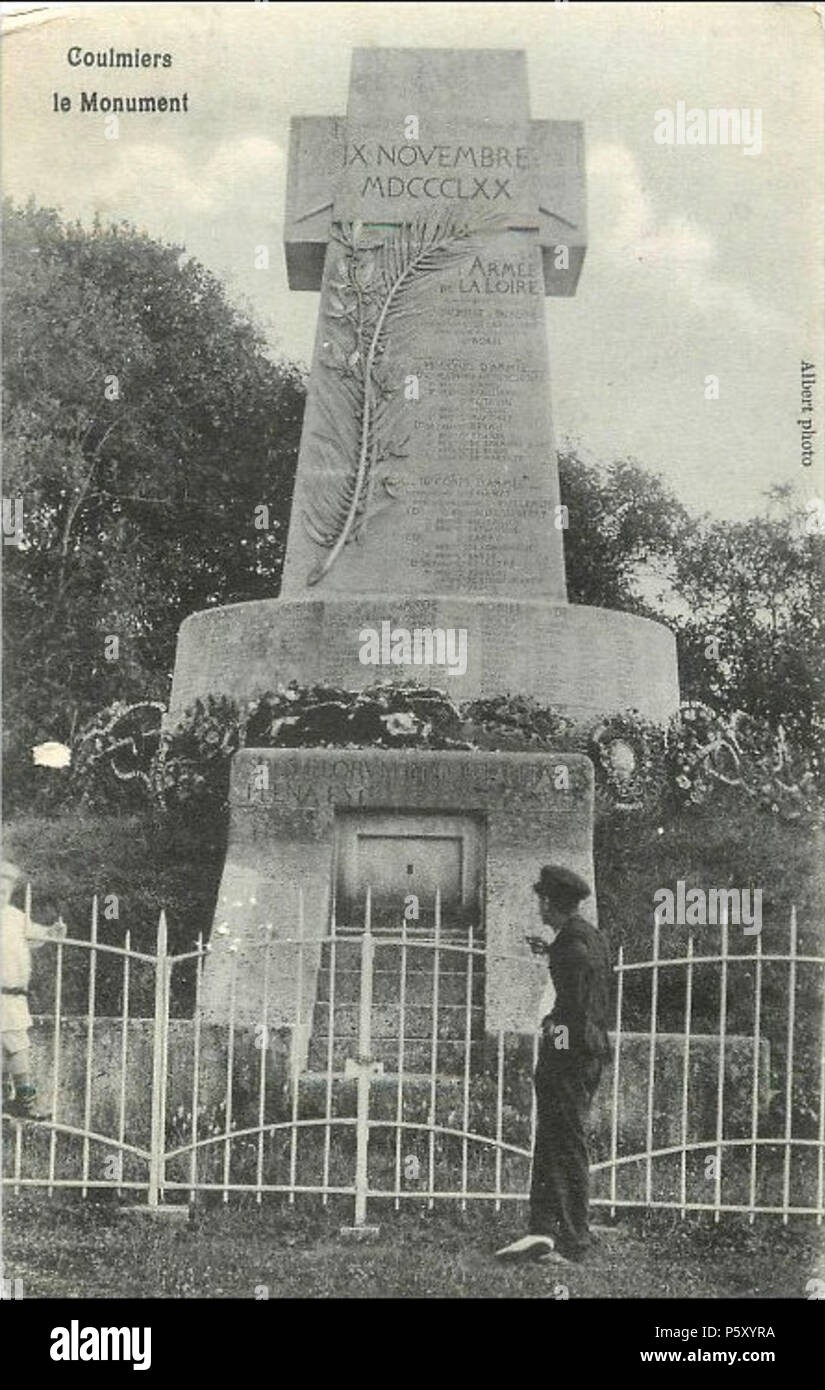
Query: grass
[
  {"x": 63, "y": 1247},
  {"x": 68, "y": 1248}
]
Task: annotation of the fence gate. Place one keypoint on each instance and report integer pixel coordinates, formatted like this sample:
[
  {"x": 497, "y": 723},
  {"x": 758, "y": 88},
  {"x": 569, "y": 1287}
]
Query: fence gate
[{"x": 389, "y": 1087}]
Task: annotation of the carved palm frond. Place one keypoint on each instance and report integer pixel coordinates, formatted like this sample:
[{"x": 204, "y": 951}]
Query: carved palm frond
[{"x": 379, "y": 300}]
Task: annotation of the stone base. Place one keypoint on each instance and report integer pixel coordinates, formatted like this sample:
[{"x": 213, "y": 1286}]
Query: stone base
[
  {"x": 589, "y": 662},
  {"x": 289, "y": 809},
  {"x": 214, "y": 1043},
  {"x": 169, "y": 1212}
]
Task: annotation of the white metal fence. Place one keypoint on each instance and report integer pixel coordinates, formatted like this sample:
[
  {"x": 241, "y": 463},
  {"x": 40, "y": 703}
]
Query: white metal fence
[{"x": 390, "y": 1088}]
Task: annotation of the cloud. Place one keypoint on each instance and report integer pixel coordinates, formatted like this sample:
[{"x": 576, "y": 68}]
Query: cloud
[
  {"x": 147, "y": 176},
  {"x": 629, "y": 232},
  {"x": 239, "y": 162},
  {"x": 630, "y": 228}
]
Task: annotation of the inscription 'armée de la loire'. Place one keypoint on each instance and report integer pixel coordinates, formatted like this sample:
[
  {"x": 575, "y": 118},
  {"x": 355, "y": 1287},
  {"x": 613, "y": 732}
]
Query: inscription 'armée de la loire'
[{"x": 499, "y": 277}]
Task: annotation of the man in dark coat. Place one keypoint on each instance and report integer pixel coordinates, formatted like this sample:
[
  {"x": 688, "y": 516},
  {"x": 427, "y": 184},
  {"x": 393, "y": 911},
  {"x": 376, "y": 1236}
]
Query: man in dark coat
[{"x": 572, "y": 1053}]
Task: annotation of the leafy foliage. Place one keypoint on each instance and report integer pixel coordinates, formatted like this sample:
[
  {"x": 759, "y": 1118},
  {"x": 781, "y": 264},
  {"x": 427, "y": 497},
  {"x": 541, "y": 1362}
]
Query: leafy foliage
[
  {"x": 144, "y": 423},
  {"x": 753, "y": 640},
  {"x": 745, "y": 599},
  {"x": 624, "y": 521}
]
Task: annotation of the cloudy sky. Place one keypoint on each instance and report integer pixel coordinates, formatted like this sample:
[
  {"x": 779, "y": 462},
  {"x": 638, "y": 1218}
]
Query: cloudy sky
[{"x": 702, "y": 260}]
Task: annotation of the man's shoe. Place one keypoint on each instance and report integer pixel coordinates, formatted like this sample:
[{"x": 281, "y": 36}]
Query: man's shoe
[
  {"x": 555, "y": 1257},
  {"x": 567, "y": 1254},
  {"x": 526, "y": 1250},
  {"x": 24, "y": 1105}
]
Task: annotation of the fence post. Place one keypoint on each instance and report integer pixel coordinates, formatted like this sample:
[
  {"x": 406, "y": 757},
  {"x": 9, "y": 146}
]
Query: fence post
[
  {"x": 363, "y": 1068},
  {"x": 157, "y": 1138},
  {"x": 720, "y": 1069},
  {"x": 651, "y": 1061},
  {"x": 297, "y": 1056},
  {"x": 90, "y": 1032},
  {"x": 614, "y": 1104},
  {"x": 789, "y": 1063}
]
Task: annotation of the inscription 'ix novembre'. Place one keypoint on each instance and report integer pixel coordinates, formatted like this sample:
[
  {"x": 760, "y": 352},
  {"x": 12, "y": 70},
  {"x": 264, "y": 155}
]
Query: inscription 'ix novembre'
[
  {"x": 429, "y": 185},
  {"x": 373, "y": 153}
]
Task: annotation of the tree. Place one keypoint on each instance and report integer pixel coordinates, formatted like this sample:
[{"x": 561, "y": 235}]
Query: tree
[
  {"x": 753, "y": 640},
  {"x": 624, "y": 523},
  {"x": 744, "y": 598},
  {"x": 153, "y": 443}
]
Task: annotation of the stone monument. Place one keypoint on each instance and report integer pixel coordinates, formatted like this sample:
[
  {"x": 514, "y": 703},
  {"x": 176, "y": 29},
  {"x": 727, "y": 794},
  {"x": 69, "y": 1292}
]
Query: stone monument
[
  {"x": 426, "y": 536},
  {"x": 427, "y": 490}
]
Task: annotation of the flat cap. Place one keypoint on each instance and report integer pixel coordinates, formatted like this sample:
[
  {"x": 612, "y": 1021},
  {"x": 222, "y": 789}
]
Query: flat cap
[{"x": 561, "y": 885}]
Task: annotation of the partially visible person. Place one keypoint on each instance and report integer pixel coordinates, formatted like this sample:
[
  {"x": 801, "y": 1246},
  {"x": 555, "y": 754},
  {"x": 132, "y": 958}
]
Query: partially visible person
[
  {"x": 573, "y": 1049},
  {"x": 17, "y": 939}
]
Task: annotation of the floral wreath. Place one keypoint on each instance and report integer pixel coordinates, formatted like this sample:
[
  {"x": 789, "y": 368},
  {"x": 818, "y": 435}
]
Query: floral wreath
[{"x": 623, "y": 749}]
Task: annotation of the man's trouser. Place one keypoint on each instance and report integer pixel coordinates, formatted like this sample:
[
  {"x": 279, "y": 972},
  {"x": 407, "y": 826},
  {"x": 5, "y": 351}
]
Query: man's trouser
[{"x": 559, "y": 1187}]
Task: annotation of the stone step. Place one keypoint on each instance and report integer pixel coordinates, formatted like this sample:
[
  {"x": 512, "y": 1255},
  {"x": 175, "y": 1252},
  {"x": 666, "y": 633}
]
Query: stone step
[
  {"x": 386, "y": 987},
  {"x": 450, "y": 1055},
  {"x": 387, "y": 955},
  {"x": 450, "y": 1020},
  {"x": 317, "y": 1091}
]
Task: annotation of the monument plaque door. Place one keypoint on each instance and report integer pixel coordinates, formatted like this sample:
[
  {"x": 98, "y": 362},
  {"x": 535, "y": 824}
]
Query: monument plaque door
[{"x": 405, "y": 859}]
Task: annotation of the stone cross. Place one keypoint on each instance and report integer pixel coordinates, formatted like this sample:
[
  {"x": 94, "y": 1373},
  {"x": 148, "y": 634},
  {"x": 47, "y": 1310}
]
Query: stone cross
[
  {"x": 451, "y": 486},
  {"x": 434, "y": 219}
]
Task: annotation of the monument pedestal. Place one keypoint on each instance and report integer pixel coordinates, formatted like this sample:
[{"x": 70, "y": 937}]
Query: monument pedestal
[
  {"x": 323, "y": 822},
  {"x": 588, "y": 662}
]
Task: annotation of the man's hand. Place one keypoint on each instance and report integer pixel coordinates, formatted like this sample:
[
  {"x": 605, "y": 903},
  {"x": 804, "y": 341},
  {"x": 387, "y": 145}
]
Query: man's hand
[{"x": 539, "y": 945}]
